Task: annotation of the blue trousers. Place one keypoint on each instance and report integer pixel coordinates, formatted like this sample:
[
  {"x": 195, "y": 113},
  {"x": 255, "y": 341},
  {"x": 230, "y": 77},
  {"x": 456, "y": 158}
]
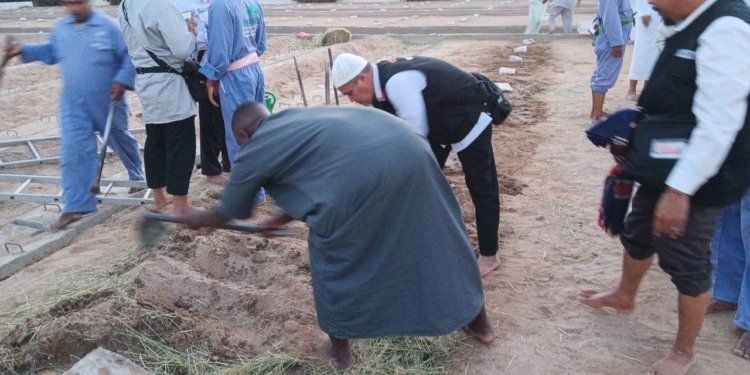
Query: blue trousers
[
  {"x": 731, "y": 260},
  {"x": 236, "y": 87},
  {"x": 78, "y": 153}
]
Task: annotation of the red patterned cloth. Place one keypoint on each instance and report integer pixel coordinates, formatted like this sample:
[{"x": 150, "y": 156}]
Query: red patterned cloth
[{"x": 618, "y": 189}]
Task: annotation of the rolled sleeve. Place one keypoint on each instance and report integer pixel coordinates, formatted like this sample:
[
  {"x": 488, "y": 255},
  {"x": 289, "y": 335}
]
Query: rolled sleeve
[{"x": 43, "y": 52}]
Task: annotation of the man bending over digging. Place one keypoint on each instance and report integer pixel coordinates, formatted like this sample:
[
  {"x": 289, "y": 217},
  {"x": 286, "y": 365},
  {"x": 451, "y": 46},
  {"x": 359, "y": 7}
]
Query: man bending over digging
[{"x": 389, "y": 253}]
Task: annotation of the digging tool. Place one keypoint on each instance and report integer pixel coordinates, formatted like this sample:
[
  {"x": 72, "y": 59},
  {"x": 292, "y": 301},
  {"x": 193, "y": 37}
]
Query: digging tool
[
  {"x": 327, "y": 82},
  {"x": 330, "y": 64},
  {"x": 152, "y": 228},
  {"x": 299, "y": 78},
  {"x": 8, "y": 41},
  {"x": 105, "y": 142}
]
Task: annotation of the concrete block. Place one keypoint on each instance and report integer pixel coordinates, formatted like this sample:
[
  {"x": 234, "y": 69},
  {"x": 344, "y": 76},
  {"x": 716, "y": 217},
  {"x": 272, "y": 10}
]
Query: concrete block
[
  {"x": 12, "y": 262},
  {"x": 102, "y": 361}
]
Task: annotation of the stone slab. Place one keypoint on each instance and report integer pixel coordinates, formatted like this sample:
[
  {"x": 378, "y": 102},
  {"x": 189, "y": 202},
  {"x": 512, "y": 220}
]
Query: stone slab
[
  {"x": 28, "y": 239},
  {"x": 101, "y": 361}
]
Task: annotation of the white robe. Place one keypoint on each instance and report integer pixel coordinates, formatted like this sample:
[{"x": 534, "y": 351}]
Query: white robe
[{"x": 645, "y": 51}]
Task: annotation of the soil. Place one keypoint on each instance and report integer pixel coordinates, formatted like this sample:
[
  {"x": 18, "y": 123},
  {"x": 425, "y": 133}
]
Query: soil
[{"x": 246, "y": 296}]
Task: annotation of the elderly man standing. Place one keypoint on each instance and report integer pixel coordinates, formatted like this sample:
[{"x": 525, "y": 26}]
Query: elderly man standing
[
  {"x": 236, "y": 39},
  {"x": 377, "y": 269},
  {"x": 96, "y": 69},
  {"x": 447, "y": 106},
  {"x": 157, "y": 26},
  {"x": 697, "y": 127}
]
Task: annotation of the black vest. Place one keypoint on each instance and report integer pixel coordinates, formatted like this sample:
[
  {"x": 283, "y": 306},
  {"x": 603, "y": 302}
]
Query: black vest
[
  {"x": 453, "y": 97},
  {"x": 671, "y": 89}
]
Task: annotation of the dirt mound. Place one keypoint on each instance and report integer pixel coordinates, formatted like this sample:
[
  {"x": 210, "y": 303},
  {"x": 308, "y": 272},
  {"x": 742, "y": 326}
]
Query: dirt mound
[{"x": 228, "y": 295}]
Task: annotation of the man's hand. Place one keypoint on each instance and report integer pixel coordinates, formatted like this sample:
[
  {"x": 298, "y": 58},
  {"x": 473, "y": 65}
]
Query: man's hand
[
  {"x": 617, "y": 51},
  {"x": 12, "y": 50},
  {"x": 212, "y": 88},
  {"x": 116, "y": 91},
  {"x": 275, "y": 222},
  {"x": 192, "y": 26},
  {"x": 671, "y": 214},
  {"x": 646, "y": 20}
]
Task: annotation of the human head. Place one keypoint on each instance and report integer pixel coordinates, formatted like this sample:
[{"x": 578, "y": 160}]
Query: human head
[
  {"x": 79, "y": 9},
  {"x": 673, "y": 11},
  {"x": 247, "y": 119},
  {"x": 352, "y": 76}
]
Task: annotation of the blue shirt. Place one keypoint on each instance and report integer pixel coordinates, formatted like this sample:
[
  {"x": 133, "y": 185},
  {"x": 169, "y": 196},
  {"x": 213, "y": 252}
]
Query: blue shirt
[
  {"x": 236, "y": 28},
  {"x": 92, "y": 56}
]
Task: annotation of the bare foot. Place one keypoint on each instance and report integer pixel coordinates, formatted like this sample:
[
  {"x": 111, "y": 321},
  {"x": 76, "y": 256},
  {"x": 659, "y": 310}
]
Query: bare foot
[
  {"x": 338, "y": 352},
  {"x": 480, "y": 328},
  {"x": 596, "y": 300},
  {"x": 717, "y": 306},
  {"x": 487, "y": 264},
  {"x": 742, "y": 348},
  {"x": 632, "y": 96},
  {"x": 161, "y": 200},
  {"x": 483, "y": 337},
  {"x": 65, "y": 219},
  {"x": 675, "y": 363},
  {"x": 217, "y": 180}
]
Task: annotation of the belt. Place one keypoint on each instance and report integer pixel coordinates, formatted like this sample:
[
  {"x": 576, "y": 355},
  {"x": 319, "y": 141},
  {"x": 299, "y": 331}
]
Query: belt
[
  {"x": 152, "y": 69},
  {"x": 250, "y": 59}
]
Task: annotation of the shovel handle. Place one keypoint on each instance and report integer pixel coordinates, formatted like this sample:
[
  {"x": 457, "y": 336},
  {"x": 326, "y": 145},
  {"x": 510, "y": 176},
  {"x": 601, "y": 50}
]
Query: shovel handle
[{"x": 237, "y": 227}]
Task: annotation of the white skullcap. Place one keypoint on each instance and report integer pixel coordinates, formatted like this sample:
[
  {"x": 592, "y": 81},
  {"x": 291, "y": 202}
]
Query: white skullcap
[{"x": 345, "y": 68}]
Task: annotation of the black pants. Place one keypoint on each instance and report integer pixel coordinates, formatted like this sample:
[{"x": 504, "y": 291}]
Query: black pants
[
  {"x": 478, "y": 163},
  {"x": 169, "y": 155},
  {"x": 213, "y": 142},
  {"x": 686, "y": 259}
]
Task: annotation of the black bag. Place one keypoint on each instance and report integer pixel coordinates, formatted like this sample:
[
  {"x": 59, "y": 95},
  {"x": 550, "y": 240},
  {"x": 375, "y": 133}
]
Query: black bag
[
  {"x": 499, "y": 107},
  {"x": 196, "y": 82},
  {"x": 656, "y": 145}
]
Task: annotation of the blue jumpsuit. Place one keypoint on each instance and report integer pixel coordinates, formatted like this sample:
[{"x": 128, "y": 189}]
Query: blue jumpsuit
[
  {"x": 730, "y": 256},
  {"x": 615, "y": 21},
  {"x": 92, "y": 56},
  {"x": 235, "y": 29}
]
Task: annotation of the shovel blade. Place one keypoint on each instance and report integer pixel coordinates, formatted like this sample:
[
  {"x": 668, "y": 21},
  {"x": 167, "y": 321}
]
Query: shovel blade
[{"x": 151, "y": 232}]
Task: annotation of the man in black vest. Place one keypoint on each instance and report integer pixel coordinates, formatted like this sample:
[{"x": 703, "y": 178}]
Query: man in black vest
[
  {"x": 447, "y": 106},
  {"x": 702, "y": 79}
]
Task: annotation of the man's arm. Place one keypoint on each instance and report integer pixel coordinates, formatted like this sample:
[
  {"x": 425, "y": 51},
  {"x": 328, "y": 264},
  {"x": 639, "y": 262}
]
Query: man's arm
[
  {"x": 44, "y": 52},
  {"x": 404, "y": 92},
  {"x": 220, "y": 39},
  {"x": 260, "y": 35},
  {"x": 612, "y": 25},
  {"x": 720, "y": 106},
  {"x": 125, "y": 76},
  {"x": 174, "y": 30}
]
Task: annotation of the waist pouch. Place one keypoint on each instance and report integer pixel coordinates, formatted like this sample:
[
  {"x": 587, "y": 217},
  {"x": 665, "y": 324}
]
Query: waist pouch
[{"x": 656, "y": 145}]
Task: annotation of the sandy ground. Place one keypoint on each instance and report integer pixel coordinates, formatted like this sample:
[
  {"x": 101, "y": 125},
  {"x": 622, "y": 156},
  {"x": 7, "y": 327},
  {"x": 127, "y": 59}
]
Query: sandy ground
[{"x": 249, "y": 296}]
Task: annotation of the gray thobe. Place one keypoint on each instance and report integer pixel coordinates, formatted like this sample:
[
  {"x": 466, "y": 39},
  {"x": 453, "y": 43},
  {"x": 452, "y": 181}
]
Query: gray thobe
[{"x": 389, "y": 252}]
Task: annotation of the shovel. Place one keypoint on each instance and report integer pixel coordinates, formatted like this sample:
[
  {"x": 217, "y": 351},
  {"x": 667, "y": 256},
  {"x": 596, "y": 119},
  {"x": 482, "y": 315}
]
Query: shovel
[
  {"x": 152, "y": 228},
  {"x": 105, "y": 143}
]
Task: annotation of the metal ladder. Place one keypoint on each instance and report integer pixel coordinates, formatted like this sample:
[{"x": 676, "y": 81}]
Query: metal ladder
[
  {"x": 105, "y": 197},
  {"x": 36, "y": 158}
]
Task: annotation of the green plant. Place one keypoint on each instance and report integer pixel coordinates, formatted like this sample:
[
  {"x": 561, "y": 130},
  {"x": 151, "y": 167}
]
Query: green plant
[{"x": 115, "y": 2}]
